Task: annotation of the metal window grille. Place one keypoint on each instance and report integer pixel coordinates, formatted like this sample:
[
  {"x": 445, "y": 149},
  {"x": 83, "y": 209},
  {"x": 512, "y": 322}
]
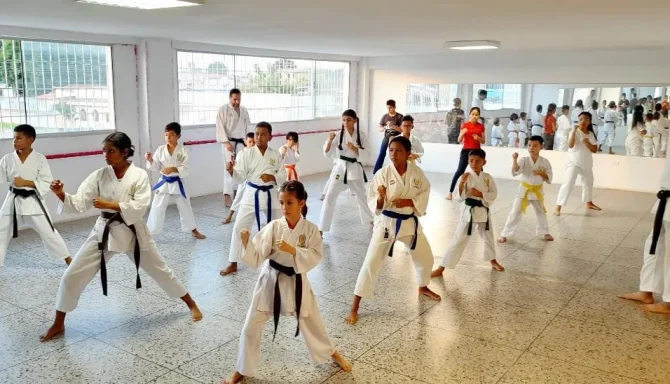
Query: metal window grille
[
  {"x": 55, "y": 87},
  {"x": 425, "y": 98},
  {"x": 500, "y": 96}
]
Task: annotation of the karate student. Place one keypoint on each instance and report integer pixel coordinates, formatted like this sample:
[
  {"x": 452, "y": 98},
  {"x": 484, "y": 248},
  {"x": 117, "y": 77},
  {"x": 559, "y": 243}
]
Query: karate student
[
  {"x": 390, "y": 125},
  {"x": 523, "y": 123},
  {"x": 249, "y": 142},
  {"x": 262, "y": 169},
  {"x": 406, "y": 127},
  {"x": 514, "y": 133},
  {"x": 496, "y": 133},
  {"x": 477, "y": 190},
  {"x": 583, "y": 145},
  {"x": 398, "y": 195},
  {"x": 564, "y": 128},
  {"x": 290, "y": 153},
  {"x": 172, "y": 161},
  {"x": 579, "y": 108},
  {"x": 637, "y": 129},
  {"x": 346, "y": 148},
  {"x": 287, "y": 249},
  {"x": 608, "y": 133},
  {"x": 597, "y": 122},
  {"x": 478, "y": 102},
  {"x": 535, "y": 170},
  {"x": 231, "y": 127},
  {"x": 28, "y": 174},
  {"x": 648, "y": 137},
  {"x": 122, "y": 192},
  {"x": 537, "y": 121}
]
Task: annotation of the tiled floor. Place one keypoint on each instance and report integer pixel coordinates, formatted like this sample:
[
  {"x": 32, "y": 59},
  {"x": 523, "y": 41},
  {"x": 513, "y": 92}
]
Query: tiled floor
[{"x": 552, "y": 317}]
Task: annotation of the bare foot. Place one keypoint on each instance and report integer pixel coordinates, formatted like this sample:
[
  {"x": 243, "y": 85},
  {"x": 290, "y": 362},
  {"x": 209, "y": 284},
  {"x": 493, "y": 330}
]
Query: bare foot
[
  {"x": 662, "y": 308},
  {"x": 592, "y": 206},
  {"x": 235, "y": 378},
  {"x": 68, "y": 260},
  {"x": 228, "y": 219},
  {"x": 437, "y": 272},
  {"x": 344, "y": 364},
  {"x": 557, "y": 211},
  {"x": 502, "y": 240},
  {"x": 322, "y": 197},
  {"x": 55, "y": 330},
  {"x": 642, "y": 297},
  {"x": 227, "y": 200},
  {"x": 548, "y": 237},
  {"x": 352, "y": 318},
  {"x": 232, "y": 268},
  {"x": 450, "y": 196},
  {"x": 196, "y": 314},
  {"x": 198, "y": 235},
  {"x": 425, "y": 291},
  {"x": 496, "y": 265}
]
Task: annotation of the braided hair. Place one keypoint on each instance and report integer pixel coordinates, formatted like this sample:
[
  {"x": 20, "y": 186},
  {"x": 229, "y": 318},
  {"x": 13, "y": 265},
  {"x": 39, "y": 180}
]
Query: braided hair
[{"x": 351, "y": 113}]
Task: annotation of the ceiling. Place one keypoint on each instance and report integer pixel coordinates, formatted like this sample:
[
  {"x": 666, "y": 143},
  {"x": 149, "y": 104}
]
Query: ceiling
[{"x": 367, "y": 27}]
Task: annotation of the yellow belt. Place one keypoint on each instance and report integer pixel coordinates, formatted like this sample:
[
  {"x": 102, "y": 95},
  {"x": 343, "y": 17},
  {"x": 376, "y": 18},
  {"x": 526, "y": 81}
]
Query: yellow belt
[{"x": 537, "y": 189}]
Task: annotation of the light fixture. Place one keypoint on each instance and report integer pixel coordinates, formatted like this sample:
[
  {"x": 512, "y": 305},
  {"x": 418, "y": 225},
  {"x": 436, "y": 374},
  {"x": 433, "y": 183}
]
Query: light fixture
[
  {"x": 472, "y": 45},
  {"x": 145, "y": 4}
]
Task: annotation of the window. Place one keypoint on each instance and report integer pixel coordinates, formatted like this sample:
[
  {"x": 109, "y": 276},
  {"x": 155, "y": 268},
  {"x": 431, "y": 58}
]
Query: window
[
  {"x": 561, "y": 98},
  {"x": 273, "y": 89},
  {"x": 430, "y": 97},
  {"x": 54, "y": 86},
  {"x": 581, "y": 94},
  {"x": 499, "y": 96}
]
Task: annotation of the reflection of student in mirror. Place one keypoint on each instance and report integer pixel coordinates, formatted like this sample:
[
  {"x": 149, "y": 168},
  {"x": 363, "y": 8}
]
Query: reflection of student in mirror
[
  {"x": 648, "y": 136},
  {"x": 624, "y": 104},
  {"x": 523, "y": 127},
  {"x": 516, "y": 135},
  {"x": 606, "y": 135},
  {"x": 589, "y": 100},
  {"x": 537, "y": 127},
  {"x": 453, "y": 120},
  {"x": 664, "y": 129},
  {"x": 564, "y": 128},
  {"x": 549, "y": 127},
  {"x": 478, "y": 102},
  {"x": 579, "y": 108},
  {"x": 497, "y": 133},
  {"x": 637, "y": 130}
]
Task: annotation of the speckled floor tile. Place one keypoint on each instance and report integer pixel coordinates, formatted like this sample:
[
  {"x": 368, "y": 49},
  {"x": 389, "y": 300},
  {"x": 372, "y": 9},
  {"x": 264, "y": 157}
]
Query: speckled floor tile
[
  {"x": 615, "y": 278},
  {"x": 564, "y": 268},
  {"x": 606, "y": 236},
  {"x": 7, "y": 309},
  {"x": 230, "y": 301},
  {"x": 174, "y": 378},
  {"x": 368, "y": 374},
  {"x": 584, "y": 250},
  {"x": 631, "y": 257}
]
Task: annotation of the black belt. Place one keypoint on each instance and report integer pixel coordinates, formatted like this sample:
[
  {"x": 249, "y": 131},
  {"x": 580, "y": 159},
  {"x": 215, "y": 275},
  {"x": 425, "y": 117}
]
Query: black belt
[
  {"x": 288, "y": 271},
  {"x": 346, "y": 167},
  {"x": 609, "y": 122},
  {"x": 658, "y": 220},
  {"x": 111, "y": 218},
  {"x": 237, "y": 142},
  {"x": 389, "y": 133},
  {"x": 538, "y": 125},
  {"x": 399, "y": 218},
  {"x": 473, "y": 203},
  {"x": 24, "y": 193}
]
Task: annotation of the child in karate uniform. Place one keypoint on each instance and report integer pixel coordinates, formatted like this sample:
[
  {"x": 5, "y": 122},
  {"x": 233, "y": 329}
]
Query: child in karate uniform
[
  {"x": 290, "y": 152},
  {"x": 286, "y": 250},
  {"x": 249, "y": 142},
  {"x": 122, "y": 192},
  {"x": 406, "y": 127},
  {"x": 648, "y": 137},
  {"x": 535, "y": 171},
  {"x": 172, "y": 161},
  {"x": 477, "y": 190},
  {"x": 496, "y": 133},
  {"x": 28, "y": 174},
  {"x": 398, "y": 195}
]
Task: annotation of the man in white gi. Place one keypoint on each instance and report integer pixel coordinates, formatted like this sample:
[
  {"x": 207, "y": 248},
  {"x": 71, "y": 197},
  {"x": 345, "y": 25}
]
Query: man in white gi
[
  {"x": 537, "y": 121},
  {"x": 607, "y": 134},
  {"x": 564, "y": 128},
  {"x": 478, "y": 101},
  {"x": 231, "y": 127}
]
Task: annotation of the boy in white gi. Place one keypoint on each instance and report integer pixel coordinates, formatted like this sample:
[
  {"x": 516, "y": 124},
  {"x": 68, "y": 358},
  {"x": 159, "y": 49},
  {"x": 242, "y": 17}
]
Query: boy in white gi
[
  {"x": 515, "y": 137},
  {"x": 611, "y": 119},
  {"x": 262, "y": 169},
  {"x": 655, "y": 273},
  {"x": 406, "y": 127},
  {"x": 582, "y": 145},
  {"x": 497, "y": 133},
  {"x": 290, "y": 152},
  {"x": 249, "y": 142},
  {"x": 172, "y": 161},
  {"x": 564, "y": 128},
  {"x": 346, "y": 148},
  {"x": 28, "y": 174},
  {"x": 231, "y": 126},
  {"x": 398, "y": 195},
  {"x": 477, "y": 190},
  {"x": 535, "y": 171},
  {"x": 122, "y": 192},
  {"x": 287, "y": 249}
]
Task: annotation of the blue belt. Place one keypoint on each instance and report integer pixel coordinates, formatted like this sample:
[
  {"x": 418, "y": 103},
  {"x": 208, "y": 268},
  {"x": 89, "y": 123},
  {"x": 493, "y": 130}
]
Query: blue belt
[
  {"x": 257, "y": 204},
  {"x": 399, "y": 218},
  {"x": 170, "y": 180}
]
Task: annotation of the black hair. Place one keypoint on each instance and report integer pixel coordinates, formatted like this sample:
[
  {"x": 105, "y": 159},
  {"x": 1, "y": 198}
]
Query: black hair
[
  {"x": 174, "y": 127},
  {"x": 565, "y": 108},
  {"x": 514, "y": 116},
  {"x": 234, "y": 91},
  {"x": 496, "y": 121},
  {"x": 26, "y": 129},
  {"x": 658, "y": 107},
  {"x": 594, "y": 104},
  {"x": 457, "y": 101},
  {"x": 523, "y": 114},
  {"x": 579, "y": 104},
  {"x": 649, "y": 116},
  {"x": 351, "y": 113},
  {"x": 482, "y": 92},
  {"x": 292, "y": 135},
  {"x": 590, "y": 116},
  {"x": 298, "y": 190},
  {"x": 551, "y": 108},
  {"x": 638, "y": 116},
  {"x": 121, "y": 141},
  {"x": 266, "y": 125},
  {"x": 402, "y": 140},
  {"x": 537, "y": 138},
  {"x": 478, "y": 110},
  {"x": 250, "y": 135},
  {"x": 407, "y": 118},
  {"x": 657, "y": 115},
  {"x": 538, "y": 108},
  {"x": 612, "y": 104},
  {"x": 478, "y": 152},
  {"x": 390, "y": 103},
  {"x": 634, "y": 94}
]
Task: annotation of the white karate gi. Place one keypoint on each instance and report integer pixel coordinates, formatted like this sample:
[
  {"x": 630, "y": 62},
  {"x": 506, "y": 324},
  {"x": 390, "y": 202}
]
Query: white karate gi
[
  {"x": 529, "y": 188},
  {"x": 596, "y": 122},
  {"x": 133, "y": 193},
  {"x": 574, "y": 116},
  {"x": 538, "y": 124},
  {"x": 28, "y": 210},
  {"x": 412, "y": 185},
  {"x": 307, "y": 241},
  {"x": 485, "y": 184},
  {"x": 580, "y": 162},
  {"x": 496, "y": 136},
  {"x": 249, "y": 167},
  {"x": 355, "y": 180},
  {"x": 564, "y": 126},
  {"x": 170, "y": 192},
  {"x": 291, "y": 158},
  {"x": 634, "y": 140},
  {"x": 664, "y": 130},
  {"x": 417, "y": 148},
  {"x": 648, "y": 140},
  {"x": 512, "y": 138},
  {"x": 231, "y": 125},
  {"x": 607, "y": 134}
]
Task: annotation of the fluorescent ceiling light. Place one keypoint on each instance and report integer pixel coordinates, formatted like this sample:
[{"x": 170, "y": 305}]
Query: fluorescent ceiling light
[
  {"x": 472, "y": 45},
  {"x": 145, "y": 4}
]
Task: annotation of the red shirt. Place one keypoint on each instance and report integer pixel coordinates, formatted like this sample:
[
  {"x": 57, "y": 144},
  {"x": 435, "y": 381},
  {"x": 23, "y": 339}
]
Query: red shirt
[
  {"x": 550, "y": 124},
  {"x": 469, "y": 141}
]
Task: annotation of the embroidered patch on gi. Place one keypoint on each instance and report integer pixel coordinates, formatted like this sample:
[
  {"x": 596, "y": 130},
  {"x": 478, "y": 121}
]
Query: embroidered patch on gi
[
  {"x": 337, "y": 177},
  {"x": 272, "y": 162},
  {"x": 417, "y": 183},
  {"x": 133, "y": 189},
  {"x": 301, "y": 241},
  {"x": 180, "y": 157},
  {"x": 391, "y": 182}
]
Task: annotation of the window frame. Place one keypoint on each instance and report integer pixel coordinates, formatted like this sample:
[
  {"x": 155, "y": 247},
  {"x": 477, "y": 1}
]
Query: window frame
[
  {"x": 111, "y": 85},
  {"x": 476, "y": 89},
  {"x": 437, "y": 97}
]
